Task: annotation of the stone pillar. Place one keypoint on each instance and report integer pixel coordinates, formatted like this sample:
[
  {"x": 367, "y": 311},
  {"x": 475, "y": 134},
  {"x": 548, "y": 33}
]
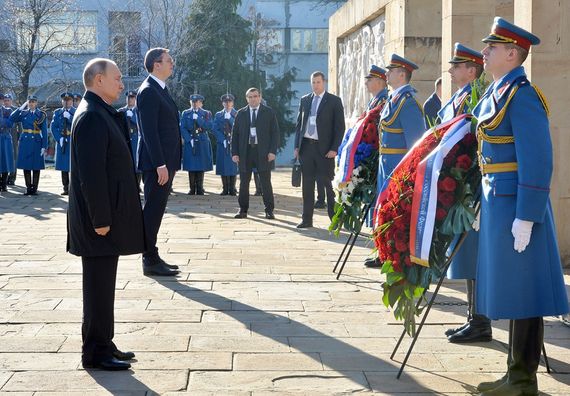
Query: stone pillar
[
  {"x": 547, "y": 67},
  {"x": 463, "y": 21}
]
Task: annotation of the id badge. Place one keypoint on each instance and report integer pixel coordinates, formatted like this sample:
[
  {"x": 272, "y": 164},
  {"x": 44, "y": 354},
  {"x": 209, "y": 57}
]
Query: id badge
[
  {"x": 313, "y": 120},
  {"x": 253, "y": 132}
]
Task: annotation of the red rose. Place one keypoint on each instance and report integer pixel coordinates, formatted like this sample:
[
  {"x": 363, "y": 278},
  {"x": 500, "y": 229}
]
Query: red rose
[
  {"x": 440, "y": 214},
  {"x": 448, "y": 161},
  {"x": 446, "y": 199},
  {"x": 447, "y": 184},
  {"x": 464, "y": 162}
]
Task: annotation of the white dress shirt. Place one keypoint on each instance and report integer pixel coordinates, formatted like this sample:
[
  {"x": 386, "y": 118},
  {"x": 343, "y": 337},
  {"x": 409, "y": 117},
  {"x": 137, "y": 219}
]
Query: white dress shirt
[
  {"x": 315, "y": 136},
  {"x": 158, "y": 80}
]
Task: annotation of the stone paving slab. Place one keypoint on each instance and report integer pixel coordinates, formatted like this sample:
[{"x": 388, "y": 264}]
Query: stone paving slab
[{"x": 255, "y": 311}]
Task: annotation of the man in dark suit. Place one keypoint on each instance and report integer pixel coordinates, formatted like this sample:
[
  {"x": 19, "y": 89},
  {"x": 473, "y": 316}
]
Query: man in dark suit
[
  {"x": 432, "y": 105},
  {"x": 104, "y": 217},
  {"x": 319, "y": 132},
  {"x": 159, "y": 153},
  {"x": 254, "y": 144}
]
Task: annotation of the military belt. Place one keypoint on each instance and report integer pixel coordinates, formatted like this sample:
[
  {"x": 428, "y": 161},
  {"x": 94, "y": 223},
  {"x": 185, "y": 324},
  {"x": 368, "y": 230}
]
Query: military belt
[
  {"x": 386, "y": 150},
  {"x": 31, "y": 131},
  {"x": 500, "y": 167}
]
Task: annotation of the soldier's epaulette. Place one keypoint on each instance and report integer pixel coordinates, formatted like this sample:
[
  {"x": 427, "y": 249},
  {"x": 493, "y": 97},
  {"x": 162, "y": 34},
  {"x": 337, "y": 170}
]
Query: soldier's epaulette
[{"x": 542, "y": 98}]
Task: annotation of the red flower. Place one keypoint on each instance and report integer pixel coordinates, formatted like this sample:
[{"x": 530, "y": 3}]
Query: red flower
[
  {"x": 446, "y": 199},
  {"x": 464, "y": 162},
  {"x": 440, "y": 214},
  {"x": 469, "y": 140},
  {"x": 447, "y": 184}
]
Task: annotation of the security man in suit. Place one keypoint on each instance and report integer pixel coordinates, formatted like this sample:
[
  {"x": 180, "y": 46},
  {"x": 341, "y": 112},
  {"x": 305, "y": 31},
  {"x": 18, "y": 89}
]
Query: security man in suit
[
  {"x": 131, "y": 115},
  {"x": 61, "y": 131},
  {"x": 223, "y": 124},
  {"x": 6, "y": 148},
  {"x": 432, "y": 105},
  {"x": 77, "y": 99},
  {"x": 519, "y": 273},
  {"x": 401, "y": 122},
  {"x": 195, "y": 123},
  {"x": 255, "y": 137},
  {"x": 15, "y": 132},
  {"x": 466, "y": 66},
  {"x": 33, "y": 142},
  {"x": 318, "y": 134}
]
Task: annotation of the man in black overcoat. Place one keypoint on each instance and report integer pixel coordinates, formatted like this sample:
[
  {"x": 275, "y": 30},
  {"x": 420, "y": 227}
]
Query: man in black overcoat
[
  {"x": 104, "y": 217},
  {"x": 255, "y": 135}
]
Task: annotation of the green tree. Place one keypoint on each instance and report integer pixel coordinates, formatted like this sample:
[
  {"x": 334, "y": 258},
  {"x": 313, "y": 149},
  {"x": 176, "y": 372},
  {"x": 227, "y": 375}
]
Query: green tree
[{"x": 211, "y": 60}]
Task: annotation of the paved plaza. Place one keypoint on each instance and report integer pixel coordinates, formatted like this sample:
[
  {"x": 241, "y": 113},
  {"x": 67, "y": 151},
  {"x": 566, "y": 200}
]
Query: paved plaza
[{"x": 255, "y": 311}]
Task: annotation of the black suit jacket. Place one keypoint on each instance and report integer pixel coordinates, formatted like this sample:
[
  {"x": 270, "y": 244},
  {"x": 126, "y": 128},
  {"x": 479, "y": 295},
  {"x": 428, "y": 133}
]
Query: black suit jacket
[
  {"x": 267, "y": 131},
  {"x": 103, "y": 188},
  {"x": 431, "y": 106},
  {"x": 330, "y": 122},
  {"x": 159, "y": 127}
]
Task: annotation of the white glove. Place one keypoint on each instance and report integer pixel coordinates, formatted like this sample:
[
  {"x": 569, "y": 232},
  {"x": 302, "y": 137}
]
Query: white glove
[
  {"x": 227, "y": 116},
  {"x": 521, "y": 230},
  {"x": 477, "y": 222},
  {"x": 61, "y": 139},
  {"x": 192, "y": 143},
  {"x": 67, "y": 114},
  {"x": 24, "y": 106},
  {"x": 129, "y": 113},
  {"x": 225, "y": 144},
  {"x": 42, "y": 152},
  {"x": 195, "y": 116}
]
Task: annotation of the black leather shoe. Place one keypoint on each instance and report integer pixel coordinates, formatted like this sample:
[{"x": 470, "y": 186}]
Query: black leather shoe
[
  {"x": 490, "y": 385},
  {"x": 171, "y": 266},
  {"x": 449, "y": 332},
  {"x": 110, "y": 364},
  {"x": 156, "y": 268},
  {"x": 372, "y": 262},
  {"x": 527, "y": 388},
  {"x": 305, "y": 224},
  {"x": 472, "y": 334},
  {"x": 240, "y": 215},
  {"x": 320, "y": 205},
  {"x": 123, "y": 355},
  {"x": 269, "y": 215}
]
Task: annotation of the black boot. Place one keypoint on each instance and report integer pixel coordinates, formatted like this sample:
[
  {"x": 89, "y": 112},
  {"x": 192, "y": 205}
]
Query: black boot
[
  {"x": 192, "y": 182},
  {"x": 225, "y": 183},
  {"x": 232, "y": 185},
  {"x": 478, "y": 327},
  {"x": 257, "y": 182},
  {"x": 526, "y": 347},
  {"x": 490, "y": 385},
  {"x": 12, "y": 179},
  {"x": 200, "y": 183},
  {"x": 65, "y": 182},
  {"x": 28, "y": 181},
  {"x": 35, "y": 182},
  {"x": 3, "y": 182}
]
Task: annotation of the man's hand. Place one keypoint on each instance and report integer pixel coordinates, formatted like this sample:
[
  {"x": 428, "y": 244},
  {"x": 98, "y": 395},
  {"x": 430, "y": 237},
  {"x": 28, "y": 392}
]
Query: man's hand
[
  {"x": 61, "y": 139},
  {"x": 129, "y": 113},
  {"x": 270, "y": 157},
  {"x": 103, "y": 230},
  {"x": 477, "y": 222},
  {"x": 162, "y": 175},
  {"x": 296, "y": 153},
  {"x": 42, "y": 152},
  {"x": 67, "y": 114},
  {"x": 331, "y": 154},
  {"x": 522, "y": 231},
  {"x": 235, "y": 158},
  {"x": 24, "y": 106}
]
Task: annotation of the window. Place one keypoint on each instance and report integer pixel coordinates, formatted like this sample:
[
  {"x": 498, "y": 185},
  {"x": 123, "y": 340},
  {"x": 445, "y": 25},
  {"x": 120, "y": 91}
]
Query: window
[
  {"x": 309, "y": 40},
  {"x": 125, "y": 41},
  {"x": 68, "y": 32},
  {"x": 270, "y": 41}
]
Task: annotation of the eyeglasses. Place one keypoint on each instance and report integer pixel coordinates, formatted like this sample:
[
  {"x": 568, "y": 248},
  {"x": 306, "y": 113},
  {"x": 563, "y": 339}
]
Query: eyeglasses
[{"x": 169, "y": 60}]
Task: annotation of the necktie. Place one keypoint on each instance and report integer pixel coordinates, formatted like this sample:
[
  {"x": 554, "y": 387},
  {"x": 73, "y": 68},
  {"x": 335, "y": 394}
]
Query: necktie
[
  {"x": 313, "y": 127},
  {"x": 253, "y": 123}
]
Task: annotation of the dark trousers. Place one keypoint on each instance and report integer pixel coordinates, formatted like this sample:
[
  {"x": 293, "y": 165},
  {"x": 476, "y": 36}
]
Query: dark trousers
[
  {"x": 320, "y": 192},
  {"x": 155, "y": 199},
  {"x": 97, "y": 329},
  {"x": 15, "y": 142},
  {"x": 65, "y": 180},
  {"x": 245, "y": 179},
  {"x": 314, "y": 166}
]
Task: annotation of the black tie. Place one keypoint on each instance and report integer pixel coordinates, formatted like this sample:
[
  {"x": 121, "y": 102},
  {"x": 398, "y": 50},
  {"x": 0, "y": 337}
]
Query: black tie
[{"x": 253, "y": 122}]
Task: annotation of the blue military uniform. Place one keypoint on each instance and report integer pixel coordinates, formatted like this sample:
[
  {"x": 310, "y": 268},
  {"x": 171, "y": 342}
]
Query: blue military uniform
[
  {"x": 131, "y": 117},
  {"x": 197, "y": 155},
  {"x": 515, "y": 156},
  {"x": 14, "y": 130},
  {"x": 222, "y": 128},
  {"x": 401, "y": 123},
  {"x": 33, "y": 142},
  {"x": 6, "y": 147},
  {"x": 61, "y": 131}
]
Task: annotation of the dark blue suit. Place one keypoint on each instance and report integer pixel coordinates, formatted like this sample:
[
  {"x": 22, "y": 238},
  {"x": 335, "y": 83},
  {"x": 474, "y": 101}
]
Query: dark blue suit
[
  {"x": 159, "y": 145},
  {"x": 431, "y": 107}
]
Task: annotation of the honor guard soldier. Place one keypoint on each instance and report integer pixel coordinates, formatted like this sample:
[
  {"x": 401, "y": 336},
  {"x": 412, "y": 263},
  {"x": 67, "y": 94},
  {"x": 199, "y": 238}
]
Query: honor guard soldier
[
  {"x": 195, "y": 123},
  {"x": 61, "y": 131},
  {"x": 131, "y": 115},
  {"x": 6, "y": 147},
  {"x": 15, "y": 132},
  {"x": 76, "y": 99},
  {"x": 401, "y": 122},
  {"x": 519, "y": 273},
  {"x": 33, "y": 142},
  {"x": 223, "y": 124},
  {"x": 466, "y": 67}
]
